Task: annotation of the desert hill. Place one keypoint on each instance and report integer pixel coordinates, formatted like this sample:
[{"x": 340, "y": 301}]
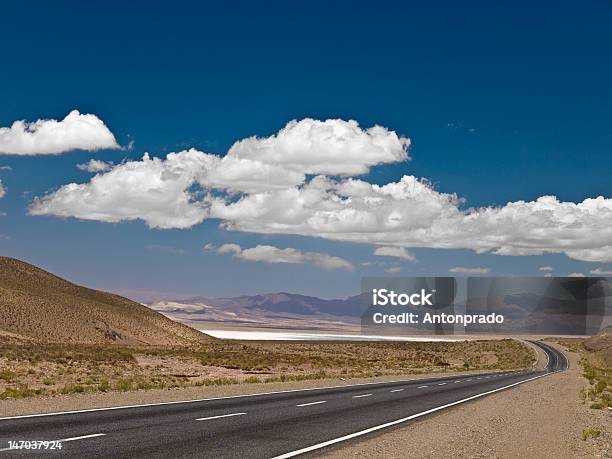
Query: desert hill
[{"x": 38, "y": 306}]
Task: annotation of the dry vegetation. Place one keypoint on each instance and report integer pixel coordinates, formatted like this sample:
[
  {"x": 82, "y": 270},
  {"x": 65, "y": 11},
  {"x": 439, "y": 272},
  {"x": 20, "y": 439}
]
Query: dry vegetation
[
  {"x": 34, "y": 369},
  {"x": 596, "y": 360}
]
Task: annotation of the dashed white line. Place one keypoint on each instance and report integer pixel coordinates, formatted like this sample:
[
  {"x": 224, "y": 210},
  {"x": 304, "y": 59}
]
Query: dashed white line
[
  {"x": 398, "y": 421},
  {"x": 396, "y": 390},
  {"x": 422, "y": 387},
  {"x": 82, "y": 437},
  {"x": 457, "y": 382},
  {"x": 361, "y": 396},
  {"x": 220, "y": 416},
  {"x": 312, "y": 403},
  {"x": 229, "y": 397},
  {"x": 442, "y": 384}
]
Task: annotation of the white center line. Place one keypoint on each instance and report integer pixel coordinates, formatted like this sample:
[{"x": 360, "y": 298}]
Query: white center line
[
  {"x": 398, "y": 421},
  {"x": 312, "y": 403},
  {"x": 457, "y": 382},
  {"x": 442, "y": 384},
  {"x": 422, "y": 387},
  {"x": 396, "y": 390},
  {"x": 360, "y": 396},
  {"x": 83, "y": 437},
  {"x": 221, "y": 416}
]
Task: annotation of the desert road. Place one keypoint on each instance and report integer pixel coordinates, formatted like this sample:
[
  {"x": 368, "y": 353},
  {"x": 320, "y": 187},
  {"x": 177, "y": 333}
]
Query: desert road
[{"x": 272, "y": 425}]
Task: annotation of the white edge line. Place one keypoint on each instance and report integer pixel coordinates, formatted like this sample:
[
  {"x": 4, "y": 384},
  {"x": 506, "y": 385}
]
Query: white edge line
[
  {"x": 122, "y": 407},
  {"x": 220, "y": 416},
  {"x": 82, "y": 438},
  {"x": 63, "y": 440},
  {"x": 398, "y": 421},
  {"x": 312, "y": 403}
]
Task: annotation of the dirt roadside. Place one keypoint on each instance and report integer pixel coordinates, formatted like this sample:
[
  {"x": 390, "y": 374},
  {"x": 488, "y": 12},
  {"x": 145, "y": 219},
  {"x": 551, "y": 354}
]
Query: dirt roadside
[{"x": 540, "y": 419}]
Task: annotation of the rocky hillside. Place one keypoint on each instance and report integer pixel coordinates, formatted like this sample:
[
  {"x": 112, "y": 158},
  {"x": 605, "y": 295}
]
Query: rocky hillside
[{"x": 38, "y": 306}]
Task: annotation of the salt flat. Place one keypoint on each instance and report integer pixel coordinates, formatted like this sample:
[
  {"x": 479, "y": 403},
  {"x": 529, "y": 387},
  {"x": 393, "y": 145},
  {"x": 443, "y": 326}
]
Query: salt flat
[{"x": 312, "y": 336}]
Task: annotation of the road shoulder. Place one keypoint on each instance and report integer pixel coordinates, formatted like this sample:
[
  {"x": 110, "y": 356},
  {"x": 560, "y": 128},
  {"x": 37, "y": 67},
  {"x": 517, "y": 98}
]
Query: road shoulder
[{"x": 544, "y": 418}]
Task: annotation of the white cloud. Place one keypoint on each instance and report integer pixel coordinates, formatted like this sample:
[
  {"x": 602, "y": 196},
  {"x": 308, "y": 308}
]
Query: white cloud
[
  {"x": 267, "y": 186},
  {"x": 47, "y": 136},
  {"x": 546, "y": 268},
  {"x": 476, "y": 271},
  {"x": 576, "y": 275},
  {"x": 271, "y": 254},
  {"x": 95, "y": 166},
  {"x": 332, "y": 147},
  {"x": 155, "y": 191},
  {"x": 548, "y": 275},
  {"x": 601, "y": 272},
  {"x": 2, "y": 190},
  {"x": 397, "y": 252}
]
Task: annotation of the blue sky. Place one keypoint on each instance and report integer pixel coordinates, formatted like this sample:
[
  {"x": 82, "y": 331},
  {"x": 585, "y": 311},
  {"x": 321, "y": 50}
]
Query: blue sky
[{"x": 501, "y": 104}]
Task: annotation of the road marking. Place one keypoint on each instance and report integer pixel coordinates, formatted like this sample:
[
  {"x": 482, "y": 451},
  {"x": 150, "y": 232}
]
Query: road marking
[
  {"x": 398, "y": 421},
  {"x": 396, "y": 390},
  {"x": 422, "y": 387},
  {"x": 312, "y": 403},
  {"x": 220, "y": 416},
  {"x": 83, "y": 437},
  {"x": 457, "y": 382},
  {"x": 360, "y": 396},
  {"x": 144, "y": 405},
  {"x": 442, "y": 384}
]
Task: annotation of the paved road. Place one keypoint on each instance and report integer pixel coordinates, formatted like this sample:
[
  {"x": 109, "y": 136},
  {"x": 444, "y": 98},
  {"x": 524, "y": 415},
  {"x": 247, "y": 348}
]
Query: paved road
[{"x": 281, "y": 424}]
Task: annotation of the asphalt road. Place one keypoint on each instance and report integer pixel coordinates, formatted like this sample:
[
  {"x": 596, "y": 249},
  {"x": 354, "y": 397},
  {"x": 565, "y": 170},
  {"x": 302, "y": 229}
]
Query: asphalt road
[{"x": 281, "y": 424}]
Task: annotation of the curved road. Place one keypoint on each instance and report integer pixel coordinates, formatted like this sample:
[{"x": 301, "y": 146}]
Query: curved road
[{"x": 273, "y": 425}]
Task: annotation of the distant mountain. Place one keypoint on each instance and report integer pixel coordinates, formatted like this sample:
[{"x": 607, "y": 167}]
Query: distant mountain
[
  {"x": 38, "y": 306},
  {"x": 281, "y": 302},
  {"x": 285, "y": 302},
  {"x": 282, "y": 310}
]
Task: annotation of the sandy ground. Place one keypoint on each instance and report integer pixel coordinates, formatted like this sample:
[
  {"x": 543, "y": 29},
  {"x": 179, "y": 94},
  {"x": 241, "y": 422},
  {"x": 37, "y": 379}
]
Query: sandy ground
[{"x": 540, "y": 419}]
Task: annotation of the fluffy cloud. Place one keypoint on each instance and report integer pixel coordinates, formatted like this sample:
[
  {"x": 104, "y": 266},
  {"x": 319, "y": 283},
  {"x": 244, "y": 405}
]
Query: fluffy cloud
[
  {"x": 95, "y": 165},
  {"x": 576, "y": 275},
  {"x": 48, "y": 137},
  {"x": 397, "y": 252},
  {"x": 298, "y": 182},
  {"x": 271, "y": 254},
  {"x": 331, "y": 147},
  {"x": 476, "y": 271},
  {"x": 158, "y": 192},
  {"x": 546, "y": 268},
  {"x": 601, "y": 272},
  {"x": 2, "y": 190}
]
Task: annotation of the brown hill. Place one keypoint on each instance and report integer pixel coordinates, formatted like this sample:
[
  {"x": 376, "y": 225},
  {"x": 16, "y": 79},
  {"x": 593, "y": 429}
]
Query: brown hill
[{"x": 38, "y": 306}]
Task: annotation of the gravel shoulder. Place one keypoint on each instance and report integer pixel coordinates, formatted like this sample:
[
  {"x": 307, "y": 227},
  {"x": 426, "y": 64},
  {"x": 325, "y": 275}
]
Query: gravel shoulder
[{"x": 544, "y": 418}]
